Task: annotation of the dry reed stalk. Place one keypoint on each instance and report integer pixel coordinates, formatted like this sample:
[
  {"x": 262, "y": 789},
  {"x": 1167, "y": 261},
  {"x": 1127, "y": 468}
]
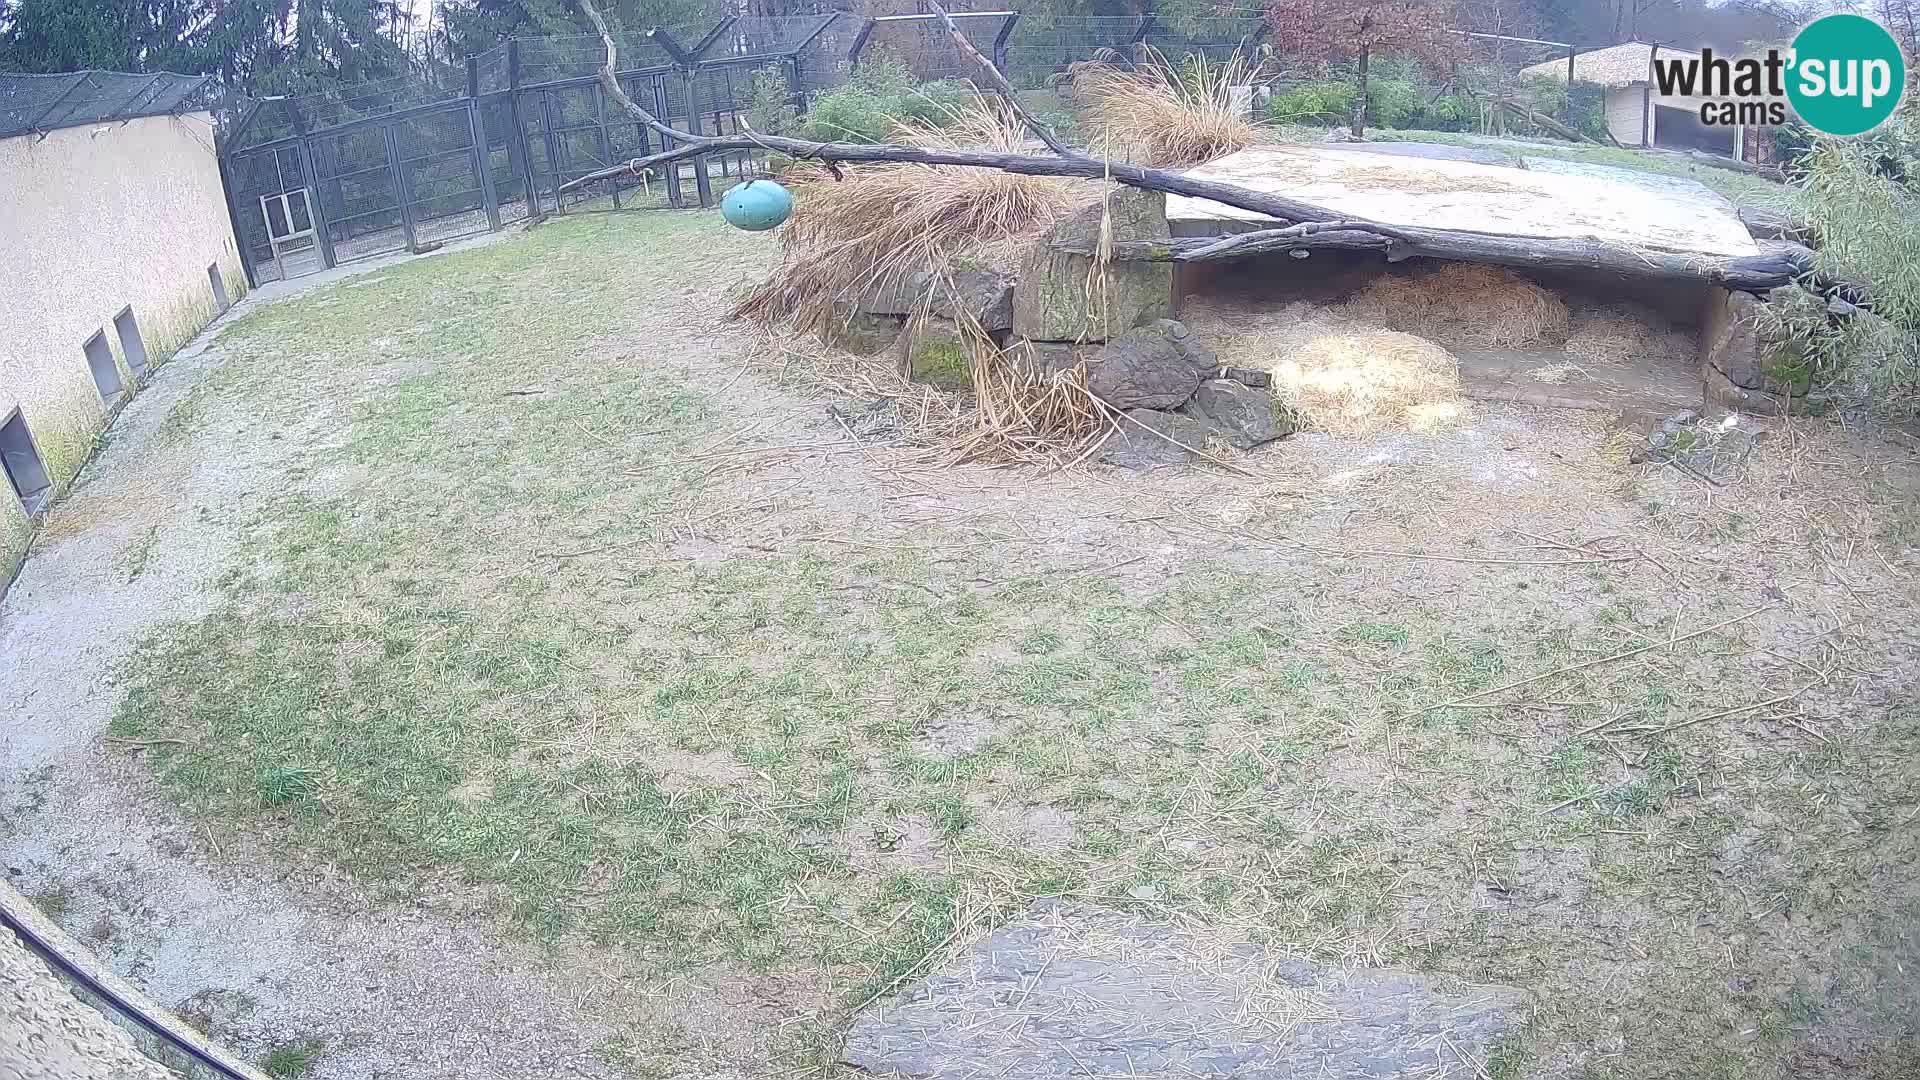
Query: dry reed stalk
[{"x": 1168, "y": 115}]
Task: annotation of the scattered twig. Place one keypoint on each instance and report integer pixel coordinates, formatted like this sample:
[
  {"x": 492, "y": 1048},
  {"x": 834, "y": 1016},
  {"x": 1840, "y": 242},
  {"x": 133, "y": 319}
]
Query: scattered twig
[
  {"x": 1559, "y": 806},
  {"x": 1735, "y": 711},
  {"x": 1630, "y": 653}
]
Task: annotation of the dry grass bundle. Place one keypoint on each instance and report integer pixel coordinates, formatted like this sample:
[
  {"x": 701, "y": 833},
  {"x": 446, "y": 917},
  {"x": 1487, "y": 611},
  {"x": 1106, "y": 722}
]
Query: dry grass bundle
[
  {"x": 1343, "y": 377},
  {"x": 1012, "y": 416},
  {"x": 1166, "y": 115},
  {"x": 1611, "y": 333},
  {"x": 1464, "y": 305},
  {"x": 870, "y": 231}
]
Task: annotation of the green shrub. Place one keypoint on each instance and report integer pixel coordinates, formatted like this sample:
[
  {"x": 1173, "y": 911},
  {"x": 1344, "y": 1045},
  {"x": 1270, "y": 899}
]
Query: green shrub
[
  {"x": 1867, "y": 216},
  {"x": 1394, "y": 103},
  {"x": 1327, "y": 102},
  {"x": 881, "y": 95},
  {"x": 1449, "y": 112},
  {"x": 770, "y": 103}
]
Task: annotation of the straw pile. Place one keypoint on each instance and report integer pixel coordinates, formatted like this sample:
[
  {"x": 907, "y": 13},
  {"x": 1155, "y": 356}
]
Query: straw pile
[
  {"x": 1165, "y": 115},
  {"x": 880, "y": 224},
  {"x": 1610, "y": 333},
  {"x": 1464, "y": 306},
  {"x": 1341, "y": 375}
]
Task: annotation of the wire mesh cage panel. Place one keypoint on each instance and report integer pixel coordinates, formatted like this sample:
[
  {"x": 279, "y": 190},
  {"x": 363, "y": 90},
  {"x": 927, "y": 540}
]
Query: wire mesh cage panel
[
  {"x": 1041, "y": 46},
  {"x": 769, "y": 36},
  {"x": 824, "y": 61},
  {"x": 502, "y": 159},
  {"x": 439, "y": 176},
  {"x": 49, "y": 102},
  {"x": 1216, "y": 37},
  {"x": 923, "y": 44},
  {"x": 580, "y": 56},
  {"x": 358, "y": 200},
  {"x": 273, "y": 206}
]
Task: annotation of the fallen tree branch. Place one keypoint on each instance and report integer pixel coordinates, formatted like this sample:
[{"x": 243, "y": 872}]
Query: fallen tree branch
[
  {"x": 1543, "y": 120},
  {"x": 1755, "y": 273}
]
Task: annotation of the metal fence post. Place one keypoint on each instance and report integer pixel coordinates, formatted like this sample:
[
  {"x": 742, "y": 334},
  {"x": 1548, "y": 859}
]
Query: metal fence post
[
  {"x": 702, "y": 184},
  {"x": 315, "y": 206},
  {"x": 225, "y": 161},
  {"x": 402, "y": 191},
  {"x": 1000, "y": 42},
  {"x": 482, "y": 148},
  {"x": 553, "y": 147},
  {"x": 674, "y": 195},
  {"x": 860, "y": 43},
  {"x": 1569, "y": 117},
  {"x": 517, "y": 146},
  {"x": 606, "y": 143}
]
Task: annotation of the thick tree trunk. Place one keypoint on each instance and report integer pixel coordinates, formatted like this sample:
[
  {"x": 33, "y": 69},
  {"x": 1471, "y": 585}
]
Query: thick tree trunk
[{"x": 1360, "y": 99}]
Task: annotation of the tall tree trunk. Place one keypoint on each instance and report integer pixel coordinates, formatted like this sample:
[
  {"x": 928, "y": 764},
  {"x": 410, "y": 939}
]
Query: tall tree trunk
[{"x": 1360, "y": 99}]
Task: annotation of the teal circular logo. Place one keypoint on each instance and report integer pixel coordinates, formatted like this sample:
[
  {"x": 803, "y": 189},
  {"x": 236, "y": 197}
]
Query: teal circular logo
[{"x": 1846, "y": 74}]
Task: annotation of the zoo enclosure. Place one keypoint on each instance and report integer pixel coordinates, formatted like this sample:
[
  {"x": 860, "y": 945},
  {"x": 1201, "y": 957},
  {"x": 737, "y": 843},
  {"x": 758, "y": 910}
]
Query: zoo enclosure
[{"x": 319, "y": 180}]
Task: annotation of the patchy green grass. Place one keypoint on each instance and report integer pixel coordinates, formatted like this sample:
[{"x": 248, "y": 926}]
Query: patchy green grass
[
  {"x": 292, "y": 1060},
  {"x": 496, "y": 633}
]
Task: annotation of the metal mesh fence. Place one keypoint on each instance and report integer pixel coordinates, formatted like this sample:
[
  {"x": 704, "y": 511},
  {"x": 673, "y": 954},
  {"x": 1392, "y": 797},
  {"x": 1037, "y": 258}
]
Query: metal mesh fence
[
  {"x": 49, "y": 102},
  {"x": 770, "y": 37},
  {"x": 925, "y": 46},
  {"x": 1042, "y": 46},
  {"x": 356, "y": 171}
]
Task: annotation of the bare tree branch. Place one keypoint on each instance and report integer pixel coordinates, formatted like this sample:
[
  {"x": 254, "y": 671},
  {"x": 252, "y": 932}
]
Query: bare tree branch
[
  {"x": 610, "y": 81},
  {"x": 1000, "y": 84}
]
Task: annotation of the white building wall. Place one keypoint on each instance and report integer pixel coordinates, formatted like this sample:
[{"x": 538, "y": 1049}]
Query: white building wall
[
  {"x": 94, "y": 219},
  {"x": 1625, "y": 113}
]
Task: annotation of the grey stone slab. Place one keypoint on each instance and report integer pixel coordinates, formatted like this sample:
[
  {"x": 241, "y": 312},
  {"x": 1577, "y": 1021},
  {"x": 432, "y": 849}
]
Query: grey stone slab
[
  {"x": 1078, "y": 991},
  {"x": 1659, "y": 183},
  {"x": 1436, "y": 152}
]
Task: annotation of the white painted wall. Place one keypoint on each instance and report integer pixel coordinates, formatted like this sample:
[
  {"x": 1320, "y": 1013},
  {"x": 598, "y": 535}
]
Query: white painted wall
[
  {"x": 1625, "y": 115},
  {"x": 93, "y": 219}
]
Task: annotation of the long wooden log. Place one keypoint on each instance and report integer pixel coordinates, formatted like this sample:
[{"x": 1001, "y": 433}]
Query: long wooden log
[
  {"x": 1542, "y": 120},
  {"x": 1745, "y": 273}
]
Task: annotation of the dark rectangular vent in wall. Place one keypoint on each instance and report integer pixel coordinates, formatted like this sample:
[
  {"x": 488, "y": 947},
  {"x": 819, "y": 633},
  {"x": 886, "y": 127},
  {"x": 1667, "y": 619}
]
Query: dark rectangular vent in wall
[
  {"x": 220, "y": 301},
  {"x": 131, "y": 346},
  {"x": 106, "y": 373},
  {"x": 22, "y": 462}
]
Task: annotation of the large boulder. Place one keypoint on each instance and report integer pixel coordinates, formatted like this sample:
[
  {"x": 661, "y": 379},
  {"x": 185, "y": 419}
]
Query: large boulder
[
  {"x": 1060, "y": 298},
  {"x": 1148, "y": 437},
  {"x": 1149, "y": 367},
  {"x": 1243, "y": 416},
  {"x": 865, "y": 333},
  {"x": 986, "y": 295},
  {"x": 1048, "y": 358}
]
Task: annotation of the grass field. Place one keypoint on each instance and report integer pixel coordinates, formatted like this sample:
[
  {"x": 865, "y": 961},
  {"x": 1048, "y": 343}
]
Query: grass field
[{"x": 564, "y": 604}]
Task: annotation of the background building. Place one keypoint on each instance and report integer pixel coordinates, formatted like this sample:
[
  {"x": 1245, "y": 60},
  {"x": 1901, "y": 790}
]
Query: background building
[
  {"x": 117, "y": 250},
  {"x": 1636, "y": 113}
]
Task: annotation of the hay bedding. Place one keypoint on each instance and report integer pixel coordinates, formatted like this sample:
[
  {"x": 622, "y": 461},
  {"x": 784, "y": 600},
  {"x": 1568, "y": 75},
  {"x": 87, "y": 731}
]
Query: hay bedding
[{"x": 1343, "y": 376}]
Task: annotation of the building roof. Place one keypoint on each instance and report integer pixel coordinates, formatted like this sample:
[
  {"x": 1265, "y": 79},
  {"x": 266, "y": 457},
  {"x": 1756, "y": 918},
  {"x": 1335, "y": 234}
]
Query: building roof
[
  {"x": 1614, "y": 66},
  {"x": 75, "y": 98}
]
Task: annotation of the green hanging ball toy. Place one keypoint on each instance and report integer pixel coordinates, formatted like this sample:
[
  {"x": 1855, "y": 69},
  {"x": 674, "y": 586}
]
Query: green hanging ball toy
[{"x": 756, "y": 206}]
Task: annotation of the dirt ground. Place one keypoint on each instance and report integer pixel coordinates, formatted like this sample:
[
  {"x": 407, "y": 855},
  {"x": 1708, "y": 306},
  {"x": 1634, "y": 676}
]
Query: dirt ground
[{"x": 482, "y": 666}]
